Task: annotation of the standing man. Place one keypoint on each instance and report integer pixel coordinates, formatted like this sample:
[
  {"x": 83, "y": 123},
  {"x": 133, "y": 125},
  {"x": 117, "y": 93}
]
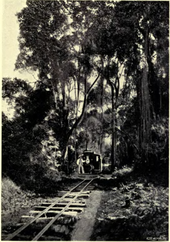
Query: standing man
[{"x": 80, "y": 165}]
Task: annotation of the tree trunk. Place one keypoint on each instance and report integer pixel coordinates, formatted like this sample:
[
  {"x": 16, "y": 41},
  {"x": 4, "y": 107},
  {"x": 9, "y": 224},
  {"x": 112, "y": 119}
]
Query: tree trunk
[
  {"x": 113, "y": 154},
  {"x": 113, "y": 146},
  {"x": 145, "y": 125},
  {"x": 101, "y": 103},
  {"x": 79, "y": 119}
]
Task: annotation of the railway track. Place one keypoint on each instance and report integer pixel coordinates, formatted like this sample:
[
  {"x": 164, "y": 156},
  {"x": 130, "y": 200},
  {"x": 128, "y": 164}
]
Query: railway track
[{"x": 53, "y": 220}]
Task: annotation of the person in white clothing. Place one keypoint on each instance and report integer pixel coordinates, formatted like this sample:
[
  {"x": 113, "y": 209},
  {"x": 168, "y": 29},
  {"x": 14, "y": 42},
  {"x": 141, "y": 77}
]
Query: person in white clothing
[{"x": 80, "y": 165}]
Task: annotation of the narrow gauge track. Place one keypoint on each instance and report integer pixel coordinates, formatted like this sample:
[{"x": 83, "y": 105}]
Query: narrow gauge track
[{"x": 49, "y": 215}]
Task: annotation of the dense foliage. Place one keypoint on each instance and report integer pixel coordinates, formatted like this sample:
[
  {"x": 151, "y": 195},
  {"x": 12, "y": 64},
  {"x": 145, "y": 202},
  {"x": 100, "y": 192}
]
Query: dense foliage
[{"x": 102, "y": 84}]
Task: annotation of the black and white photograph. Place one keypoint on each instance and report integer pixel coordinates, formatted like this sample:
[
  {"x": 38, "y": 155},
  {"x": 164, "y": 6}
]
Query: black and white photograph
[{"x": 85, "y": 120}]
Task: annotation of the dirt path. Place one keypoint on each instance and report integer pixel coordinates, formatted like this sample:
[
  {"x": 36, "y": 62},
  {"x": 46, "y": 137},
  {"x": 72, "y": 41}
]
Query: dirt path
[{"x": 84, "y": 226}]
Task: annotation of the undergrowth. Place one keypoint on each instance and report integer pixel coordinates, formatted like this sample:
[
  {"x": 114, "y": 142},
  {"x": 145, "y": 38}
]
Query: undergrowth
[
  {"x": 15, "y": 201},
  {"x": 135, "y": 211}
]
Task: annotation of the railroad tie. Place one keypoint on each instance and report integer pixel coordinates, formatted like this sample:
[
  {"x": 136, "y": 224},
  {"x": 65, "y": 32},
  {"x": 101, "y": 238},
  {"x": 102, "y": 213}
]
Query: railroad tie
[
  {"x": 71, "y": 204},
  {"x": 76, "y": 209}
]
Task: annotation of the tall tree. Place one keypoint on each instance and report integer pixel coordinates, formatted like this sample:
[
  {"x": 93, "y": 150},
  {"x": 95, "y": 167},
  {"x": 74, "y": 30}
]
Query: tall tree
[
  {"x": 146, "y": 21},
  {"x": 46, "y": 45}
]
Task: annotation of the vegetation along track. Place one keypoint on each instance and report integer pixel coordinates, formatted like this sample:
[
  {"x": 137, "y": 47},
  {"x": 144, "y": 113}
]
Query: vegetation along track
[{"x": 53, "y": 220}]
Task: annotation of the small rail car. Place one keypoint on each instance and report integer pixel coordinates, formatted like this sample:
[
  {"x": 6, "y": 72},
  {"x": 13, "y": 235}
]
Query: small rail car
[{"x": 92, "y": 162}]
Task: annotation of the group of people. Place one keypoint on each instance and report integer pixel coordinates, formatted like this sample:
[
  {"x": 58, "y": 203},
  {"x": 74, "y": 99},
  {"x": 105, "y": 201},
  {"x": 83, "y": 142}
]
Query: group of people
[{"x": 82, "y": 163}]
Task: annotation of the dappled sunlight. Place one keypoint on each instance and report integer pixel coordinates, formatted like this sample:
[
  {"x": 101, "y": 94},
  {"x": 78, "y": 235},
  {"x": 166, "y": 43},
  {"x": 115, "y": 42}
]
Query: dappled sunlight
[{"x": 123, "y": 171}]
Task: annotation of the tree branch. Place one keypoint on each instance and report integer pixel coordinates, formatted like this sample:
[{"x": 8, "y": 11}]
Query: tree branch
[{"x": 83, "y": 109}]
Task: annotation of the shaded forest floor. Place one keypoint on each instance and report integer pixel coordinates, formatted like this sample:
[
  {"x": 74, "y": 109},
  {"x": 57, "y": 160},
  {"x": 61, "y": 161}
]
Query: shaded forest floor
[{"x": 131, "y": 208}]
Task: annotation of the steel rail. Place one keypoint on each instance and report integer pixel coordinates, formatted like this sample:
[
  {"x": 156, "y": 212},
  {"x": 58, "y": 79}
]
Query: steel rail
[
  {"x": 15, "y": 233},
  {"x": 58, "y": 215}
]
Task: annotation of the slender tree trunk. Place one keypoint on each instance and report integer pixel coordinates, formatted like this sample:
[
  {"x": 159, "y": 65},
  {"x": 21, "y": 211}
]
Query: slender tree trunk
[
  {"x": 113, "y": 146},
  {"x": 101, "y": 103},
  {"x": 113, "y": 154},
  {"x": 145, "y": 125}
]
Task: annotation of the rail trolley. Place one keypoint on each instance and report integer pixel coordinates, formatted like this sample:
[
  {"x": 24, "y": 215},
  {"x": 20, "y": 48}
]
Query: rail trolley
[{"x": 92, "y": 162}]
